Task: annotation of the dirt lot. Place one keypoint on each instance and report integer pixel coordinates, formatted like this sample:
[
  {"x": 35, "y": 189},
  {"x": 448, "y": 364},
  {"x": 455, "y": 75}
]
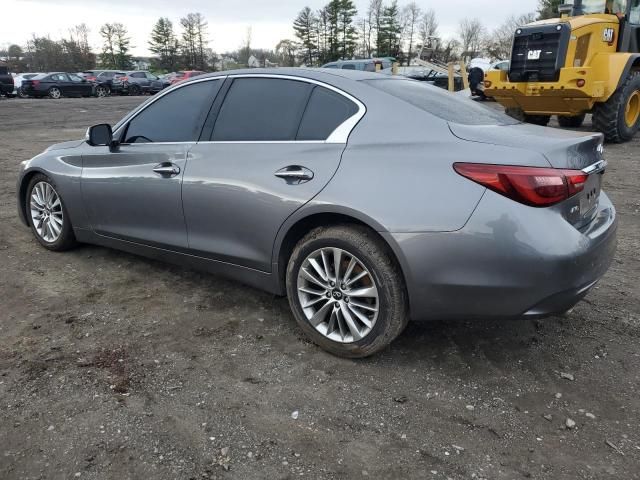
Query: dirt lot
[{"x": 114, "y": 366}]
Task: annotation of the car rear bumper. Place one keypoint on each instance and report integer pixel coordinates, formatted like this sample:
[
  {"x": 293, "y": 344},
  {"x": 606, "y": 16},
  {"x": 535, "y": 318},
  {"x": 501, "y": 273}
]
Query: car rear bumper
[{"x": 506, "y": 262}]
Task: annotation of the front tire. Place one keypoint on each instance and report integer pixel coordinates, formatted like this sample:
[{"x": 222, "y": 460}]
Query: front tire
[
  {"x": 135, "y": 89},
  {"x": 346, "y": 290},
  {"x": 55, "y": 93},
  {"x": 47, "y": 215},
  {"x": 571, "y": 122},
  {"x": 619, "y": 117}
]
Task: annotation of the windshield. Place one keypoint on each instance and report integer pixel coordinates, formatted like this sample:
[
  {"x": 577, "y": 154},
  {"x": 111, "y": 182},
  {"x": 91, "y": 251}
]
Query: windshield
[
  {"x": 438, "y": 102},
  {"x": 586, "y": 7}
]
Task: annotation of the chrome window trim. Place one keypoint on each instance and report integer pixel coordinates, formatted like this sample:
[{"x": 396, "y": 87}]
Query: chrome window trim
[{"x": 339, "y": 136}]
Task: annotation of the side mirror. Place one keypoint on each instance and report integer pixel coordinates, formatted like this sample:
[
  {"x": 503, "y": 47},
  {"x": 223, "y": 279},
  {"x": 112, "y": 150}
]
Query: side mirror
[{"x": 100, "y": 135}]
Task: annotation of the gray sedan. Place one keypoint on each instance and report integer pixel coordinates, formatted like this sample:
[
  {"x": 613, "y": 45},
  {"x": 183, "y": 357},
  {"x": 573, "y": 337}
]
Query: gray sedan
[{"x": 367, "y": 200}]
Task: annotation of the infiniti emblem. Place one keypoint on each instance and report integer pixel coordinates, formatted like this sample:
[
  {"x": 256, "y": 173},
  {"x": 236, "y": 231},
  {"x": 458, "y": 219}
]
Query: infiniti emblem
[{"x": 337, "y": 295}]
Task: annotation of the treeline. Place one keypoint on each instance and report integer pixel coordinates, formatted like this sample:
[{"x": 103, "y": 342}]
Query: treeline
[
  {"x": 336, "y": 31},
  {"x": 72, "y": 53},
  {"x": 388, "y": 29}
]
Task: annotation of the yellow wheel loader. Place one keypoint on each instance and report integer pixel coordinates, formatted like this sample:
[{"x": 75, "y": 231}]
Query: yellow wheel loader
[{"x": 587, "y": 61}]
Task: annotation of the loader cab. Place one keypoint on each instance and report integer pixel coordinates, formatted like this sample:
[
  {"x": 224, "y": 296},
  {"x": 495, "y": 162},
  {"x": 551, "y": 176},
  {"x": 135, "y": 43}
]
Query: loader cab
[{"x": 627, "y": 12}]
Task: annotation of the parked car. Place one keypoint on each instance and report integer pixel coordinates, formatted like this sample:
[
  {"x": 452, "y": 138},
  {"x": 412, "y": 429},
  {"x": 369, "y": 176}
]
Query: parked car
[
  {"x": 139, "y": 82},
  {"x": 186, "y": 75},
  {"x": 371, "y": 199},
  {"x": 17, "y": 83},
  {"x": 6, "y": 82},
  {"x": 58, "y": 84},
  {"x": 424, "y": 74},
  {"x": 366, "y": 65}
]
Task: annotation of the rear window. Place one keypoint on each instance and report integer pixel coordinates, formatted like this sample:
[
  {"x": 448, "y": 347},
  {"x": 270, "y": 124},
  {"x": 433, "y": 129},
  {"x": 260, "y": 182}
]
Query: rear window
[{"x": 441, "y": 103}]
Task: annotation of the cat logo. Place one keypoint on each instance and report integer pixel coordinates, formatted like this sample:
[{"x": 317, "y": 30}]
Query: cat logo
[{"x": 608, "y": 35}]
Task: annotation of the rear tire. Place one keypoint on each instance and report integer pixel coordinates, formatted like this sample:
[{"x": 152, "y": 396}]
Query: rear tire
[
  {"x": 102, "y": 91},
  {"x": 542, "y": 120},
  {"x": 619, "y": 117},
  {"x": 378, "y": 321},
  {"x": 572, "y": 122},
  {"x": 135, "y": 89}
]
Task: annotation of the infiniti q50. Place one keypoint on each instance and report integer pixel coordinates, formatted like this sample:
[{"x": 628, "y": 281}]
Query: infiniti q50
[{"x": 367, "y": 200}]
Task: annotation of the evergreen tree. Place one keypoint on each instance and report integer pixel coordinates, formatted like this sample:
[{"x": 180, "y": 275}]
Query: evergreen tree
[
  {"x": 548, "y": 9},
  {"x": 347, "y": 31},
  {"x": 389, "y": 34},
  {"x": 164, "y": 44},
  {"x": 305, "y": 27}
]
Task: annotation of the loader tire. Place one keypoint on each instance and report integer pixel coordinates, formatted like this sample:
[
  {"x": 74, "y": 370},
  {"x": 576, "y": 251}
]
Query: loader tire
[
  {"x": 619, "y": 117},
  {"x": 572, "y": 122}
]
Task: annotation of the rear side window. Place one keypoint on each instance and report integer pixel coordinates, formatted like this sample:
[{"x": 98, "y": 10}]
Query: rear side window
[
  {"x": 348, "y": 66},
  {"x": 175, "y": 117},
  {"x": 325, "y": 112},
  {"x": 439, "y": 102},
  {"x": 261, "y": 109}
]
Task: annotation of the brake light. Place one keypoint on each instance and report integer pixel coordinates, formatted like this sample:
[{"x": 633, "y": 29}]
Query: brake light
[{"x": 533, "y": 186}]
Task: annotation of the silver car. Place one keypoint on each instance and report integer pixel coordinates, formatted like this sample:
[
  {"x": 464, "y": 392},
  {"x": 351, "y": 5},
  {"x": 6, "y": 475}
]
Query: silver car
[{"x": 367, "y": 200}]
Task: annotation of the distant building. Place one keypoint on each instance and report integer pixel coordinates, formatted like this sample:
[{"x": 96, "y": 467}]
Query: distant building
[
  {"x": 253, "y": 62},
  {"x": 141, "y": 63}
]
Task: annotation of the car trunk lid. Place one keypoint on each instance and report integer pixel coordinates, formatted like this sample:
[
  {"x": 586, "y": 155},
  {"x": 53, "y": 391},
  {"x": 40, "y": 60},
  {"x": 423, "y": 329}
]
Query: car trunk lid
[{"x": 562, "y": 149}]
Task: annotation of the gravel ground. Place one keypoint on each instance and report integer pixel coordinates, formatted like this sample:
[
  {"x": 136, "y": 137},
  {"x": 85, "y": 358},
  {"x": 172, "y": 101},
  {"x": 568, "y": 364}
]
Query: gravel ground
[{"x": 114, "y": 366}]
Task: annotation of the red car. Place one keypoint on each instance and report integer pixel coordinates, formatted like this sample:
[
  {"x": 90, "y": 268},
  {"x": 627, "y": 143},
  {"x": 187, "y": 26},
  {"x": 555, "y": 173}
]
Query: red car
[{"x": 187, "y": 74}]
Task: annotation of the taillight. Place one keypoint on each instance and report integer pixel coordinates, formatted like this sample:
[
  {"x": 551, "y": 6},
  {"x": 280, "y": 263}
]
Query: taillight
[{"x": 533, "y": 186}]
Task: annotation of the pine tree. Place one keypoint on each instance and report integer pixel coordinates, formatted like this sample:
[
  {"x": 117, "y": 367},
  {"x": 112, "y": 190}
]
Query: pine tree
[
  {"x": 548, "y": 8},
  {"x": 305, "y": 27},
  {"x": 347, "y": 31},
  {"x": 389, "y": 34},
  {"x": 164, "y": 44}
]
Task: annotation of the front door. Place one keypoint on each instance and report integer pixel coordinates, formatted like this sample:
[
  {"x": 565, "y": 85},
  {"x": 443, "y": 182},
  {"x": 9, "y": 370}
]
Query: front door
[
  {"x": 268, "y": 155},
  {"x": 134, "y": 192}
]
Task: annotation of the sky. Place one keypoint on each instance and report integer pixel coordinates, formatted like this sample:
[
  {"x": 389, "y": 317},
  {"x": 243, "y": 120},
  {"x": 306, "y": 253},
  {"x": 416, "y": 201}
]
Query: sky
[{"x": 270, "y": 21}]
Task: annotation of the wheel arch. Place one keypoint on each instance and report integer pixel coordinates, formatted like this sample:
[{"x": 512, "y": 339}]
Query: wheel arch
[
  {"x": 633, "y": 64},
  {"x": 22, "y": 193},
  {"x": 299, "y": 225}
]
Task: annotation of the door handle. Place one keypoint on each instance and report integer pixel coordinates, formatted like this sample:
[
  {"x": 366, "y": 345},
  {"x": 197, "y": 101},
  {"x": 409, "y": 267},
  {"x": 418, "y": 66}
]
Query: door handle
[
  {"x": 167, "y": 169},
  {"x": 295, "y": 173}
]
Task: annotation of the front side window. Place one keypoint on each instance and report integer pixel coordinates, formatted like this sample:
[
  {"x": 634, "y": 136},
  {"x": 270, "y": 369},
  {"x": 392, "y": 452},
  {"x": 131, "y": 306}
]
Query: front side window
[
  {"x": 175, "y": 117},
  {"x": 75, "y": 78},
  {"x": 261, "y": 109},
  {"x": 326, "y": 111},
  {"x": 348, "y": 66}
]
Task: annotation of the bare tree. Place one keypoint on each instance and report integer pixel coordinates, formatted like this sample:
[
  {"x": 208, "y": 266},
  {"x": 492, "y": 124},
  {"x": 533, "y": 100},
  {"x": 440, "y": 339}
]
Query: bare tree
[
  {"x": 375, "y": 15},
  {"x": 411, "y": 17},
  {"x": 501, "y": 39},
  {"x": 471, "y": 32},
  {"x": 428, "y": 31}
]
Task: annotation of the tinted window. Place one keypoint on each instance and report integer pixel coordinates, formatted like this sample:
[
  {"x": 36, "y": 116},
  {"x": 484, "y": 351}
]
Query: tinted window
[
  {"x": 137, "y": 75},
  {"x": 261, "y": 109},
  {"x": 438, "y": 102},
  {"x": 325, "y": 111},
  {"x": 348, "y": 66},
  {"x": 176, "y": 117},
  {"x": 75, "y": 78}
]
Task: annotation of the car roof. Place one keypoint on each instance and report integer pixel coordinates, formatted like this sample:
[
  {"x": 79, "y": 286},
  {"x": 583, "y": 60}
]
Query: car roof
[{"x": 320, "y": 74}]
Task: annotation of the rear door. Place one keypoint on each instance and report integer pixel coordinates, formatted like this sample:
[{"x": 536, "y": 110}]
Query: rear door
[
  {"x": 271, "y": 149},
  {"x": 134, "y": 193},
  {"x": 80, "y": 86}
]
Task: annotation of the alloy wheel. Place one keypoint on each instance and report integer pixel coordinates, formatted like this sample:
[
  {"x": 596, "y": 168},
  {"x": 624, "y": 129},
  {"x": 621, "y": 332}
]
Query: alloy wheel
[
  {"x": 101, "y": 92},
  {"x": 55, "y": 93},
  {"x": 338, "y": 295},
  {"x": 46, "y": 212}
]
